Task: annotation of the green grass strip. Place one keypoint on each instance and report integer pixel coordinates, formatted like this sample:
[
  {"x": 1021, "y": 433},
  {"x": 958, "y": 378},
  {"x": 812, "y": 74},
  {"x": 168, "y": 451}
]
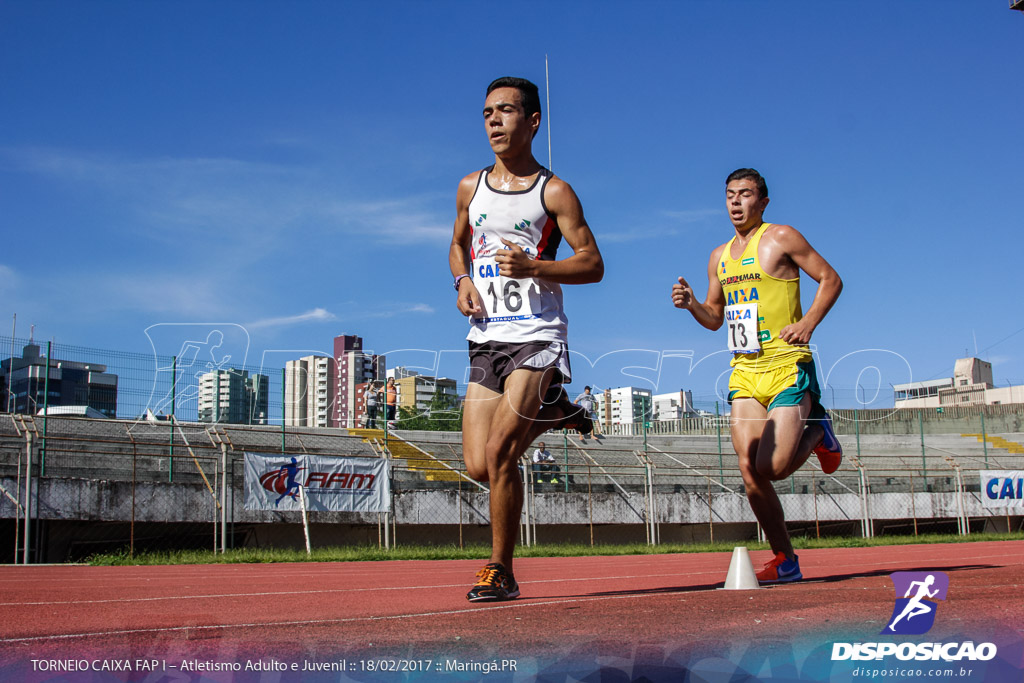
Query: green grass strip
[{"x": 481, "y": 552}]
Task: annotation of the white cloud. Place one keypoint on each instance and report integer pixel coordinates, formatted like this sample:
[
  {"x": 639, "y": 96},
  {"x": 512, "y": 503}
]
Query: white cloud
[
  {"x": 315, "y": 315},
  {"x": 220, "y": 202},
  {"x": 392, "y": 310}
]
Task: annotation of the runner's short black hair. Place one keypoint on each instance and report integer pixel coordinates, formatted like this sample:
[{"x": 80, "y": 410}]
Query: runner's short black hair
[
  {"x": 585, "y": 388},
  {"x": 743, "y": 173},
  {"x": 528, "y": 92}
]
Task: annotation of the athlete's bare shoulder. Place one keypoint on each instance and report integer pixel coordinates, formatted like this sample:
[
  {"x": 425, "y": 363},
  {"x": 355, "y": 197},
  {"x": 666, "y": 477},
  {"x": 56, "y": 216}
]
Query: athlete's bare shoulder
[
  {"x": 557, "y": 189},
  {"x": 785, "y": 236},
  {"x": 471, "y": 180},
  {"x": 467, "y": 186},
  {"x": 782, "y": 251},
  {"x": 559, "y": 197}
]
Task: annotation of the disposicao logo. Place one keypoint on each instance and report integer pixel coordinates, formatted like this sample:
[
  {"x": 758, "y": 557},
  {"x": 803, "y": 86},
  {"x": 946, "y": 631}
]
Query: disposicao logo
[
  {"x": 917, "y": 600},
  {"x": 914, "y": 612}
]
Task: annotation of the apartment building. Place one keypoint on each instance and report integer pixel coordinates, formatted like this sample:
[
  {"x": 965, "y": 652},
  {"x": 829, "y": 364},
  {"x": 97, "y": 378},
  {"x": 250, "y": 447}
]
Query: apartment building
[
  {"x": 24, "y": 387},
  {"x": 417, "y": 392},
  {"x": 623, "y": 405},
  {"x": 355, "y": 366},
  {"x": 233, "y": 396},
  {"x": 309, "y": 385},
  {"x": 675, "y": 405},
  {"x": 970, "y": 385}
]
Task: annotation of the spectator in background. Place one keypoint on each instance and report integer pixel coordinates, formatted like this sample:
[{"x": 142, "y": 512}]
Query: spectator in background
[
  {"x": 544, "y": 462},
  {"x": 391, "y": 401},
  {"x": 587, "y": 401},
  {"x": 371, "y": 405}
]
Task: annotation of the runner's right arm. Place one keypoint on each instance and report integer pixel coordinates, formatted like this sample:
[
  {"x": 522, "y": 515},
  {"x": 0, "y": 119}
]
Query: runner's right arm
[
  {"x": 711, "y": 313},
  {"x": 468, "y": 301}
]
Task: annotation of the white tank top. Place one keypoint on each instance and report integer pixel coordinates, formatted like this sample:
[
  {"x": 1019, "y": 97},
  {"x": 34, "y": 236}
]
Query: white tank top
[{"x": 515, "y": 310}]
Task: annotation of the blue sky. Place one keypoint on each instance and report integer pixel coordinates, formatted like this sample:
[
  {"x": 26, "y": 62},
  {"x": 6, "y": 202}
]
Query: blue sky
[{"x": 291, "y": 168}]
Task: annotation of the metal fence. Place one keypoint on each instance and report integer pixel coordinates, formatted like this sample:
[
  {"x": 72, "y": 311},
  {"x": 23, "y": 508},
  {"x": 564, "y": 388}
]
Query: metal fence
[
  {"x": 72, "y": 487},
  {"x": 165, "y": 384}
]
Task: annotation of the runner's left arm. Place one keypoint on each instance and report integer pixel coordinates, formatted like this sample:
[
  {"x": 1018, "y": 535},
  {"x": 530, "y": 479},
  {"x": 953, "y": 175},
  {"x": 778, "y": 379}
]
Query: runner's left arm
[
  {"x": 583, "y": 267},
  {"x": 830, "y": 285}
]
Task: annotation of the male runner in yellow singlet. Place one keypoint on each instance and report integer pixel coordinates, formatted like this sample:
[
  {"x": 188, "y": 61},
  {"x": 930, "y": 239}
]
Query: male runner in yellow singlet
[
  {"x": 511, "y": 217},
  {"x": 776, "y": 419}
]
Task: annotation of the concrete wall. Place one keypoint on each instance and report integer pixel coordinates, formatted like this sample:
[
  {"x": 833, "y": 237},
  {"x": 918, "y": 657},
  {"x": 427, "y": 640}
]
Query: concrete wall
[
  {"x": 78, "y": 517},
  {"x": 93, "y": 500}
]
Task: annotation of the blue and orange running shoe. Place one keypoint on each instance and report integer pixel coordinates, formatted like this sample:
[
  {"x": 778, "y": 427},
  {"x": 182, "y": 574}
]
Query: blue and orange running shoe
[
  {"x": 780, "y": 570},
  {"x": 494, "y": 584},
  {"x": 829, "y": 451}
]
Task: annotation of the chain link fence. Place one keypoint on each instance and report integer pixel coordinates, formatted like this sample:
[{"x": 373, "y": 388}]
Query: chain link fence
[
  {"x": 72, "y": 487},
  {"x": 125, "y": 385}
]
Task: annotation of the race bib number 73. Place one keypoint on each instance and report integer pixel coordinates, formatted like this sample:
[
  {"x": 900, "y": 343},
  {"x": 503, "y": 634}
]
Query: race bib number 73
[{"x": 741, "y": 326}]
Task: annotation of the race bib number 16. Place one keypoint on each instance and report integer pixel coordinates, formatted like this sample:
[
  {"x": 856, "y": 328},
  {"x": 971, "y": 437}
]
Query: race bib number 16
[
  {"x": 741, "y": 322},
  {"x": 504, "y": 298}
]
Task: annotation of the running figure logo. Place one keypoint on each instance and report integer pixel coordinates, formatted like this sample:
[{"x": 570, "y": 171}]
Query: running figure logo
[
  {"x": 914, "y": 613},
  {"x": 283, "y": 481}
]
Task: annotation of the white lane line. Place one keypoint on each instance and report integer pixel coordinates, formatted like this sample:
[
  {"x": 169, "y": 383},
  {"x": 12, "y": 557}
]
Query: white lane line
[
  {"x": 860, "y": 565},
  {"x": 325, "y": 622},
  {"x": 634, "y": 577},
  {"x": 199, "y": 572},
  {"x": 314, "y": 622},
  {"x": 514, "y": 604}
]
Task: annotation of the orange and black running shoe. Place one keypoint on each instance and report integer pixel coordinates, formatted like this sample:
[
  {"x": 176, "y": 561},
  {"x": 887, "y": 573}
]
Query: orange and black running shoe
[
  {"x": 573, "y": 416},
  {"x": 494, "y": 584}
]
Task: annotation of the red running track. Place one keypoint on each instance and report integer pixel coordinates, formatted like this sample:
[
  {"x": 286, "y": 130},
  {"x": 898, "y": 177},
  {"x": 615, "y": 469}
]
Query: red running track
[{"x": 629, "y": 604}]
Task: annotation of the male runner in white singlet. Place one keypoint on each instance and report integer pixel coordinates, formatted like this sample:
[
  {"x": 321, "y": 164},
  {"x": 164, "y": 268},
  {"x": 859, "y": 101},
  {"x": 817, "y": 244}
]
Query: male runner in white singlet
[{"x": 511, "y": 218}]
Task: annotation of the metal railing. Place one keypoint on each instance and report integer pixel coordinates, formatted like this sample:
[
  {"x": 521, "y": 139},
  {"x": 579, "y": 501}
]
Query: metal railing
[{"x": 82, "y": 486}]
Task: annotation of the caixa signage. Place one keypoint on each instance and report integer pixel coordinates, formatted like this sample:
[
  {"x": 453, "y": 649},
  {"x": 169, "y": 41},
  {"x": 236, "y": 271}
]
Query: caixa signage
[{"x": 1002, "y": 488}]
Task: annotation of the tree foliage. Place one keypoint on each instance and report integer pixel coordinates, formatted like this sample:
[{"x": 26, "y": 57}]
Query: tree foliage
[{"x": 444, "y": 414}]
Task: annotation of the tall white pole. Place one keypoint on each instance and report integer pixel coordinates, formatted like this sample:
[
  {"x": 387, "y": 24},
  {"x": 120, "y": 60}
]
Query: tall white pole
[
  {"x": 305, "y": 518},
  {"x": 547, "y": 84},
  {"x": 10, "y": 367}
]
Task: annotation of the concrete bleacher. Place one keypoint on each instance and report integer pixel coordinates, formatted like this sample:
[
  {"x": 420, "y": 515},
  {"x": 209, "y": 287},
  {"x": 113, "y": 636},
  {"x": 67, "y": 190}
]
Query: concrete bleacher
[
  {"x": 141, "y": 449},
  {"x": 892, "y": 462},
  {"x": 155, "y": 451},
  {"x": 117, "y": 472},
  {"x": 409, "y": 456}
]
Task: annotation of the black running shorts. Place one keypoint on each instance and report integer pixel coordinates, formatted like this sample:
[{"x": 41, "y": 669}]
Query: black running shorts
[{"x": 491, "y": 362}]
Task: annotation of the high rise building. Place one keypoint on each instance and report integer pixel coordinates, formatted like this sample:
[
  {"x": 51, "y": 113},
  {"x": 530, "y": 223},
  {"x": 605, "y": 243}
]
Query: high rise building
[
  {"x": 24, "y": 389},
  {"x": 233, "y": 397},
  {"x": 623, "y": 405},
  {"x": 354, "y": 367},
  {"x": 309, "y": 385}
]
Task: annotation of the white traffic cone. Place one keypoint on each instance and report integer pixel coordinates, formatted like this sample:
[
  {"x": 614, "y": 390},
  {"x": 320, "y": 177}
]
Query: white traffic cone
[{"x": 741, "y": 572}]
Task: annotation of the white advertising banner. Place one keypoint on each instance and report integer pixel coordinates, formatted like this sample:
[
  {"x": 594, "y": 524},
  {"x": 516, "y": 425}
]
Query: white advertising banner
[
  {"x": 331, "y": 484},
  {"x": 1002, "y": 488}
]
